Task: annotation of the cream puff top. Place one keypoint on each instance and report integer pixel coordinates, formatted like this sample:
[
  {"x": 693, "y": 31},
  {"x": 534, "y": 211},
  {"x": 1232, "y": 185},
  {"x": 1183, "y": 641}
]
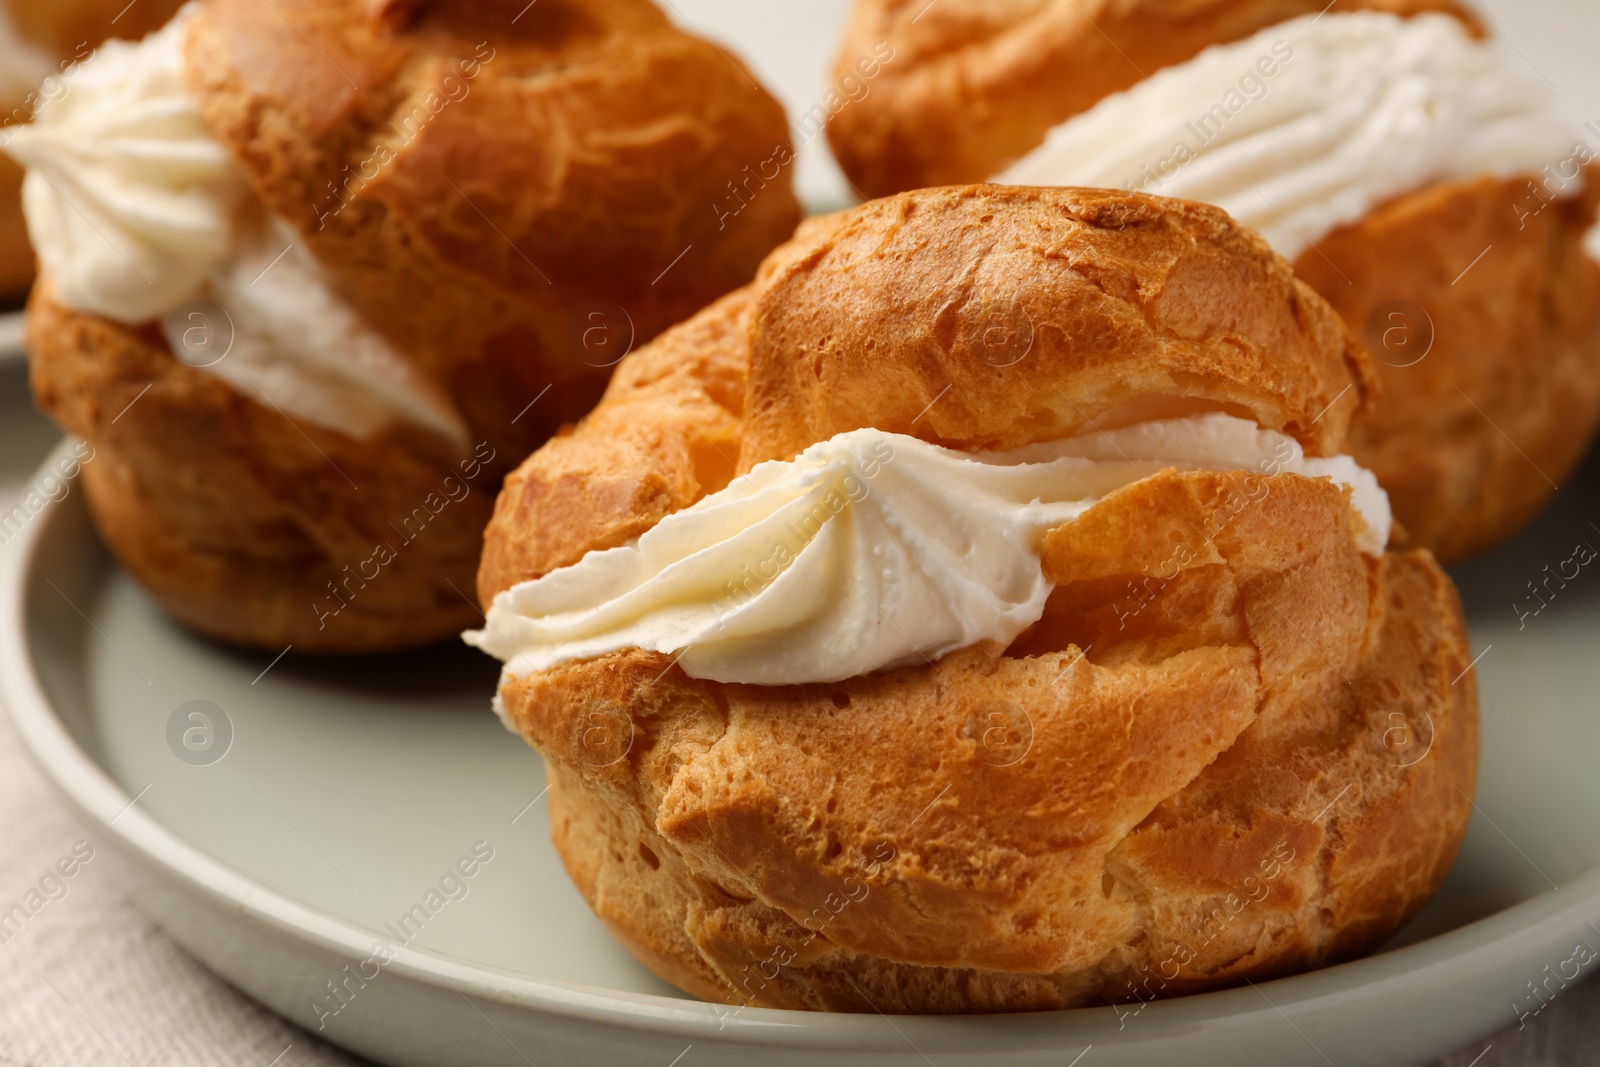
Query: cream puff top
[
  {"x": 140, "y": 215},
  {"x": 867, "y": 551},
  {"x": 1310, "y": 124}
]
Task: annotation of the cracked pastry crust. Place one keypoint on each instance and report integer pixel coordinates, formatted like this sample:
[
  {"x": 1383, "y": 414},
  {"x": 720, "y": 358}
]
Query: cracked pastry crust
[
  {"x": 1204, "y": 764},
  {"x": 1472, "y": 439},
  {"x": 1471, "y": 442},
  {"x": 592, "y": 150},
  {"x": 247, "y": 528},
  {"x": 588, "y": 155}
]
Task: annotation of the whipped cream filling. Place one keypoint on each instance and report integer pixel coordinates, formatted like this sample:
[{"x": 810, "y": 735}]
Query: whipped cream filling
[
  {"x": 866, "y": 552},
  {"x": 291, "y": 341},
  {"x": 1309, "y": 125},
  {"x": 138, "y": 212},
  {"x": 129, "y": 200}
]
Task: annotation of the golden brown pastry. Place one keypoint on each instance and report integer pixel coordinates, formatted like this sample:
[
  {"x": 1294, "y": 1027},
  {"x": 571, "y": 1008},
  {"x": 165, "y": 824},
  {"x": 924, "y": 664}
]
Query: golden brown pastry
[
  {"x": 16, "y": 255},
  {"x": 1417, "y": 173},
  {"x": 40, "y": 41},
  {"x": 427, "y": 231},
  {"x": 63, "y": 26},
  {"x": 1473, "y": 437},
  {"x": 1178, "y": 776}
]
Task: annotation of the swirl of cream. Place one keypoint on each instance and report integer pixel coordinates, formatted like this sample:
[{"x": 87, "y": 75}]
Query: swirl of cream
[
  {"x": 129, "y": 199},
  {"x": 295, "y": 343},
  {"x": 1310, "y": 124},
  {"x": 867, "y": 551}
]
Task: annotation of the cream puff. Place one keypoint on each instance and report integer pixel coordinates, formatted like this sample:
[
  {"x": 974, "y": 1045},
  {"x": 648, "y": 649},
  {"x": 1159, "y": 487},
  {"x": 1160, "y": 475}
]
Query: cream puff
[
  {"x": 1422, "y": 177},
  {"x": 41, "y": 46},
  {"x": 315, "y": 275},
  {"x": 976, "y": 614}
]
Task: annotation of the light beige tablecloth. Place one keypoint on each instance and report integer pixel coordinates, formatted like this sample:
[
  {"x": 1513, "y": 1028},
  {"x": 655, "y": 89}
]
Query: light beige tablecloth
[{"x": 88, "y": 980}]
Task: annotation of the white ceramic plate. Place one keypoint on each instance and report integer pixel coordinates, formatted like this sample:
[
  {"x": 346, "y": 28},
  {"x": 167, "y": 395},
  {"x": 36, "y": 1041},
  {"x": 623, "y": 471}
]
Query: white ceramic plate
[
  {"x": 25, "y": 435},
  {"x": 346, "y": 790}
]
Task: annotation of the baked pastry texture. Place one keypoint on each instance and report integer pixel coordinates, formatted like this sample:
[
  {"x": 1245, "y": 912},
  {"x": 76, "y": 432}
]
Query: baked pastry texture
[
  {"x": 507, "y": 196},
  {"x": 1492, "y": 385},
  {"x": 1473, "y": 436},
  {"x": 48, "y": 39},
  {"x": 1183, "y": 776}
]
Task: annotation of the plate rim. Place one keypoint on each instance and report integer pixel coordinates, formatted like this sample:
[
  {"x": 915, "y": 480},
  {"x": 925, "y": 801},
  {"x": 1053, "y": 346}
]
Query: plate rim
[
  {"x": 108, "y": 810},
  {"x": 12, "y": 324}
]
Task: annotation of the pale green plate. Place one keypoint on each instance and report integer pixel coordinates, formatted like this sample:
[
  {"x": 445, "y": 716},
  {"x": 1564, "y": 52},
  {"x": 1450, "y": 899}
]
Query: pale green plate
[{"x": 350, "y": 788}]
